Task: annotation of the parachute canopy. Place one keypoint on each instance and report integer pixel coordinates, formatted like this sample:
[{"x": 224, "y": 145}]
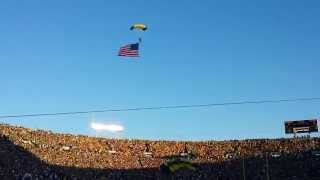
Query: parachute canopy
[
  {"x": 175, "y": 165},
  {"x": 139, "y": 27}
]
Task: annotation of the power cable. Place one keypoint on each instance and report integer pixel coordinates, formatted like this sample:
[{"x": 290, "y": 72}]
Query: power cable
[{"x": 162, "y": 107}]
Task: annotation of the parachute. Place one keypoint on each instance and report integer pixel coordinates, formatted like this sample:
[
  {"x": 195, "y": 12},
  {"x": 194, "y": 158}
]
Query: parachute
[
  {"x": 139, "y": 27},
  {"x": 132, "y": 50},
  {"x": 174, "y": 165}
]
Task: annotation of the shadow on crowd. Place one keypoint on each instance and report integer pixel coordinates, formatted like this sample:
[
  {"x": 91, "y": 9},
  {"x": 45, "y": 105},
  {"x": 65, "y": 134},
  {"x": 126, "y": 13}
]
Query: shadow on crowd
[{"x": 18, "y": 163}]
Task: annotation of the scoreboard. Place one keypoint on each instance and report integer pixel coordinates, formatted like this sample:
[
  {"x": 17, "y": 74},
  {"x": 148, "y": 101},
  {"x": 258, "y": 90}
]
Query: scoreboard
[{"x": 302, "y": 126}]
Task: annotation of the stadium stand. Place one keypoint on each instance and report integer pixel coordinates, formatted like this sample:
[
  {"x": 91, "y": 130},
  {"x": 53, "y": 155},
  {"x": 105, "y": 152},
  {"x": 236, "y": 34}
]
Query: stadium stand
[{"x": 36, "y": 154}]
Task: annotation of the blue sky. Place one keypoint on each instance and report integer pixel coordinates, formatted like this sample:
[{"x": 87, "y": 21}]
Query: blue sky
[{"x": 62, "y": 56}]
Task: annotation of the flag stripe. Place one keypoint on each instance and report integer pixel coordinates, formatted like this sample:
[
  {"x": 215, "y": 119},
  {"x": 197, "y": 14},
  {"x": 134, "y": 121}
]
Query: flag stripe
[{"x": 130, "y": 50}]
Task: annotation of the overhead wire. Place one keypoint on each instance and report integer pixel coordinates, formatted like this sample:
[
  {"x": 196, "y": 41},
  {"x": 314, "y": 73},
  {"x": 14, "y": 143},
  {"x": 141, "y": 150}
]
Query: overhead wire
[{"x": 161, "y": 107}]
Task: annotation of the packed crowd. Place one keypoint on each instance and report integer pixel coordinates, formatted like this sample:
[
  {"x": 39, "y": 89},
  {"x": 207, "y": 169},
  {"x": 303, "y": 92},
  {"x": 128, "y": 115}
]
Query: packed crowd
[{"x": 36, "y": 154}]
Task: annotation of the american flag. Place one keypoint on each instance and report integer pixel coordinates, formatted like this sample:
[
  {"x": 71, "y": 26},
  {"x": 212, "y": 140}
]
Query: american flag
[{"x": 130, "y": 50}]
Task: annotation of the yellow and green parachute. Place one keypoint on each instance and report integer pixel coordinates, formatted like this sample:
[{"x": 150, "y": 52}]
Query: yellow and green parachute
[
  {"x": 172, "y": 166},
  {"x": 139, "y": 27}
]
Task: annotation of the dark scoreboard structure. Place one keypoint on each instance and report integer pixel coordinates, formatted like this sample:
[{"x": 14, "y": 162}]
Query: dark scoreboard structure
[{"x": 301, "y": 126}]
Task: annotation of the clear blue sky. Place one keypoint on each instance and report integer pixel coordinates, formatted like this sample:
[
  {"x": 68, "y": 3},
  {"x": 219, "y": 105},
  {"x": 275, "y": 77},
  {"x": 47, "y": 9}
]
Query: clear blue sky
[{"x": 62, "y": 56}]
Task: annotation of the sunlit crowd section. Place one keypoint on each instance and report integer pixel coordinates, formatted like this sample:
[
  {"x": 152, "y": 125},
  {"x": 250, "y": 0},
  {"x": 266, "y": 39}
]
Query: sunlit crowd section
[{"x": 36, "y": 154}]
